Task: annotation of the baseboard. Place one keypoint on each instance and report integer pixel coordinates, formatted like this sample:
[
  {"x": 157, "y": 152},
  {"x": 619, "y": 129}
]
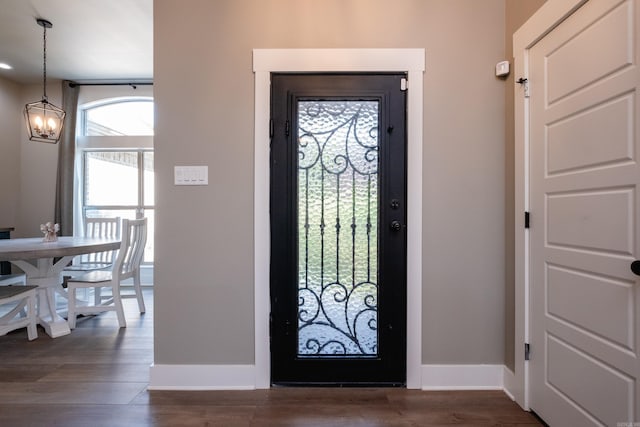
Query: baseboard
[
  {"x": 462, "y": 377},
  {"x": 509, "y": 379},
  {"x": 242, "y": 377},
  {"x": 202, "y": 377}
]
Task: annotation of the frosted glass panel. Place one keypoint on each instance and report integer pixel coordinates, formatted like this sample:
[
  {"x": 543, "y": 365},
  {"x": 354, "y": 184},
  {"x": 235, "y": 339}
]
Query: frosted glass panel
[{"x": 337, "y": 228}]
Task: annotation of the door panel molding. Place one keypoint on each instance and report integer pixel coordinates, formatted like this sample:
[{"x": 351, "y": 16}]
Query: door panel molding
[
  {"x": 526, "y": 40},
  {"x": 266, "y": 61}
]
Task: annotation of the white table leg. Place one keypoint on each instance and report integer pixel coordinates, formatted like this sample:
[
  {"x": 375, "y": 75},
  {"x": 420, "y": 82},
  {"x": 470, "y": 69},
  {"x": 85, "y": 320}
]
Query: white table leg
[{"x": 48, "y": 277}]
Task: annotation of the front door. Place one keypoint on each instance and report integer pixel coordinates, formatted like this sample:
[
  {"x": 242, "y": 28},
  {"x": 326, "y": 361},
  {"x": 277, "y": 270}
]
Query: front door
[
  {"x": 585, "y": 218},
  {"x": 338, "y": 229}
]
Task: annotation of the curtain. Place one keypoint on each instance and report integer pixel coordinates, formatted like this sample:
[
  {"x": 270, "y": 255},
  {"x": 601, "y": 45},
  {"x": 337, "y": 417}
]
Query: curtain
[{"x": 66, "y": 160}]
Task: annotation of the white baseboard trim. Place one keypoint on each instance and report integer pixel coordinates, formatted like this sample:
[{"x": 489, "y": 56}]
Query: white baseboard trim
[
  {"x": 462, "y": 377},
  {"x": 202, "y": 377},
  {"x": 242, "y": 377},
  {"x": 509, "y": 380}
]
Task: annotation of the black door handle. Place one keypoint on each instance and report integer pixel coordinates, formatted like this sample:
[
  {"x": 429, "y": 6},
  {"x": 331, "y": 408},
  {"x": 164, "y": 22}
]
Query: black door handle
[
  {"x": 395, "y": 226},
  {"x": 635, "y": 267}
]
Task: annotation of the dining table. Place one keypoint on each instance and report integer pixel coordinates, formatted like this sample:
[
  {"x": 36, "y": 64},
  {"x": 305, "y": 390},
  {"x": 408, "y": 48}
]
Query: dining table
[{"x": 43, "y": 263}]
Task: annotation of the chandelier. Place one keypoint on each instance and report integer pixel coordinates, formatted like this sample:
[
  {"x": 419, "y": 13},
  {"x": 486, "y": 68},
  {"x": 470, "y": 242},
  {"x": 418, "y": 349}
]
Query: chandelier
[{"x": 44, "y": 120}]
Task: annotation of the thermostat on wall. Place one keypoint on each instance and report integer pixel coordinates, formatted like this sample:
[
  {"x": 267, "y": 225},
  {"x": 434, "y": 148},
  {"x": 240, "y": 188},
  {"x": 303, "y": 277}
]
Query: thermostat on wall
[{"x": 502, "y": 68}]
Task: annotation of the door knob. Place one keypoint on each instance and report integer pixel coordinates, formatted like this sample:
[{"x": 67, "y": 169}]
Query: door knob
[
  {"x": 635, "y": 267},
  {"x": 395, "y": 225}
]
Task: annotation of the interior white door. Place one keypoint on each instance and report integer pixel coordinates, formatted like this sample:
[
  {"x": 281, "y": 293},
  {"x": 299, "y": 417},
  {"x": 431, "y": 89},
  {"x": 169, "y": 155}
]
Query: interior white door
[{"x": 585, "y": 224}]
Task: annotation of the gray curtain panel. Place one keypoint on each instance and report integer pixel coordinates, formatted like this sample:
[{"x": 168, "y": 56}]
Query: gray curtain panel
[{"x": 66, "y": 160}]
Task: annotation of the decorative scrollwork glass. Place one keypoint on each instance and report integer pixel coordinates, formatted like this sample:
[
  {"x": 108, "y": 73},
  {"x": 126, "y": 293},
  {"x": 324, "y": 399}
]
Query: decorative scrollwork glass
[{"x": 338, "y": 228}]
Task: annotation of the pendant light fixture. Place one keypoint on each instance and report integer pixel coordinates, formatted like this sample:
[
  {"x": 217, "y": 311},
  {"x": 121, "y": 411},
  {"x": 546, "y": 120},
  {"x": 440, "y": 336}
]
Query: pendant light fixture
[{"x": 44, "y": 120}]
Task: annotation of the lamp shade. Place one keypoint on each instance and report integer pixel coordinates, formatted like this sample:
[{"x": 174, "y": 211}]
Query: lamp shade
[{"x": 44, "y": 121}]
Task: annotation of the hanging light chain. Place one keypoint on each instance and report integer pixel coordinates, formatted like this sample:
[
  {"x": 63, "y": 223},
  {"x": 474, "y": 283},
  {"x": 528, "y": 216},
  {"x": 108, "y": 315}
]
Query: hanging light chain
[{"x": 44, "y": 62}]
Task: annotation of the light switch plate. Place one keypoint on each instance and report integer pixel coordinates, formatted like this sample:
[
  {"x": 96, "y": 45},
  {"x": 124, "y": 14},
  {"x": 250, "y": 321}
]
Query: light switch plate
[{"x": 191, "y": 175}]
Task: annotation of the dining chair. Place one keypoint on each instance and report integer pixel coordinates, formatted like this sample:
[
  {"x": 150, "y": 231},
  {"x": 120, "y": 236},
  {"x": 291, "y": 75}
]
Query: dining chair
[
  {"x": 98, "y": 228},
  {"x": 14, "y": 290},
  {"x": 19, "y": 279},
  {"x": 125, "y": 266},
  {"x": 13, "y": 279}
]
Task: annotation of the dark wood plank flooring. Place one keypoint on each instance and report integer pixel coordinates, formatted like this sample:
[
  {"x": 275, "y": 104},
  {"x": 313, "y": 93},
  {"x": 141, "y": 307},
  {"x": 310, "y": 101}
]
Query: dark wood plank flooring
[{"x": 98, "y": 376}]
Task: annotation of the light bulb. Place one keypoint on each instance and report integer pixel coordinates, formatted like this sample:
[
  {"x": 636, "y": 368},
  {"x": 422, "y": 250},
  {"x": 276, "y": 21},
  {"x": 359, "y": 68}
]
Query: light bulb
[
  {"x": 52, "y": 124},
  {"x": 38, "y": 121}
]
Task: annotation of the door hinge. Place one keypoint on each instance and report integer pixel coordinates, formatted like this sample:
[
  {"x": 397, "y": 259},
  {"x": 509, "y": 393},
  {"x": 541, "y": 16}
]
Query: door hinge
[
  {"x": 271, "y": 128},
  {"x": 527, "y": 219},
  {"x": 404, "y": 84},
  {"x": 526, "y": 351},
  {"x": 524, "y": 82},
  {"x": 286, "y": 128}
]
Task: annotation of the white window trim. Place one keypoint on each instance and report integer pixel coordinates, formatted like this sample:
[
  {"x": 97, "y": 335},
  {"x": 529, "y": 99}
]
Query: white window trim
[{"x": 266, "y": 61}]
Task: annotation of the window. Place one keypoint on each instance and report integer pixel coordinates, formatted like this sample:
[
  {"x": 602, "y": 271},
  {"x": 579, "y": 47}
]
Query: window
[
  {"x": 133, "y": 118},
  {"x": 116, "y": 160}
]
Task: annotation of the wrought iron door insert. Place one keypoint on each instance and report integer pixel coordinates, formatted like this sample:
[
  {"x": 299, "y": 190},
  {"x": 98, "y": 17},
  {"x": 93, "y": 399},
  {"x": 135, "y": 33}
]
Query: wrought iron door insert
[{"x": 337, "y": 215}]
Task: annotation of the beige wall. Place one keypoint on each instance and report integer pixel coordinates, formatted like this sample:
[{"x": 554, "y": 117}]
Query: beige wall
[
  {"x": 10, "y": 122},
  {"x": 516, "y": 12},
  {"x": 27, "y": 169},
  {"x": 204, "y": 99},
  {"x": 38, "y": 167}
]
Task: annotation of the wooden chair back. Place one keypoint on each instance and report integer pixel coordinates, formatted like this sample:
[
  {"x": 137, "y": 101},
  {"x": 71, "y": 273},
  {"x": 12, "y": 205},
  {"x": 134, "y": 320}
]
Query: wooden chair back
[
  {"x": 133, "y": 241},
  {"x": 100, "y": 228}
]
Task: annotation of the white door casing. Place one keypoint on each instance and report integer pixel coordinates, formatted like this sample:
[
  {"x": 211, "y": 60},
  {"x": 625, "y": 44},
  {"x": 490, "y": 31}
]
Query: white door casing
[
  {"x": 547, "y": 17},
  {"x": 266, "y": 61},
  {"x": 584, "y": 176}
]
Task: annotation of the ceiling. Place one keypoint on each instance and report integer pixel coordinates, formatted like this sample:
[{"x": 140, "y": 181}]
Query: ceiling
[{"x": 91, "y": 40}]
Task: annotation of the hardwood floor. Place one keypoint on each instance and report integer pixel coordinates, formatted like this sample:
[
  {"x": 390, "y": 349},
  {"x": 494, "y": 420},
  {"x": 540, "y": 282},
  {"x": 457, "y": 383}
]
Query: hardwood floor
[{"x": 98, "y": 375}]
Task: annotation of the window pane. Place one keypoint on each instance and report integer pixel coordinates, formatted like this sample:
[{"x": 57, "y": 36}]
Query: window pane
[
  {"x": 337, "y": 228},
  {"x": 111, "y": 178},
  {"x": 123, "y": 118},
  {"x": 149, "y": 186}
]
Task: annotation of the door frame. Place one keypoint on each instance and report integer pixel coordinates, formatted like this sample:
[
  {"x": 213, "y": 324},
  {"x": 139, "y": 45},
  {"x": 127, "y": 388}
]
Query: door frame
[
  {"x": 550, "y": 15},
  {"x": 266, "y": 61}
]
